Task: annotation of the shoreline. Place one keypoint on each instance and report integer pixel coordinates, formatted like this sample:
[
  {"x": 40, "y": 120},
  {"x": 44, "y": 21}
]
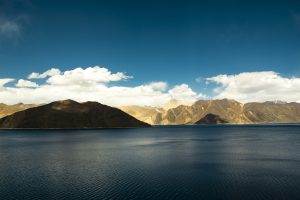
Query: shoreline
[{"x": 161, "y": 126}]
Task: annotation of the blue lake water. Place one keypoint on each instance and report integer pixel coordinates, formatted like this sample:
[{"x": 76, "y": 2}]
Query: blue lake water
[{"x": 182, "y": 162}]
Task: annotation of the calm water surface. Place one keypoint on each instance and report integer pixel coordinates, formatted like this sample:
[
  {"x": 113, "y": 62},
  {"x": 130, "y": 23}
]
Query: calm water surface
[{"x": 186, "y": 162}]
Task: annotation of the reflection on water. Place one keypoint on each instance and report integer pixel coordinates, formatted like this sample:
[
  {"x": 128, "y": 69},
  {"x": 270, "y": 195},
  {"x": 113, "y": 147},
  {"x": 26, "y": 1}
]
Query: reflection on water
[{"x": 185, "y": 162}]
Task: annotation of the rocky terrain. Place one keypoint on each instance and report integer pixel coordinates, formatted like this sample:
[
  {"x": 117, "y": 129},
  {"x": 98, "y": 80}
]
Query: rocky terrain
[
  {"x": 71, "y": 114},
  {"x": 230, "y": 110}
]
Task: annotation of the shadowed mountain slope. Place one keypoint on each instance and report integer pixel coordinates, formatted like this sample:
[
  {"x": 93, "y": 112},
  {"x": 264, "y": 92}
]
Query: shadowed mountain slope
[
  {"x": 211, "y": 119},
  {"x": 71, "y": 114}
]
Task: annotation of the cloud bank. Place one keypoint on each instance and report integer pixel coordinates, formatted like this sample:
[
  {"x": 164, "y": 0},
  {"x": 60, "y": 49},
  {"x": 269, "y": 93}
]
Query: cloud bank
[
  {"x": 257, "y": 87},
  {"x": 94, "y": 84},
  {"x": 91, "y": 84}
]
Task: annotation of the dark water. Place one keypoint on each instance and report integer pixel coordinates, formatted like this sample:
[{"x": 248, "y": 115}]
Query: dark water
[{"x": 188, "y": 162}]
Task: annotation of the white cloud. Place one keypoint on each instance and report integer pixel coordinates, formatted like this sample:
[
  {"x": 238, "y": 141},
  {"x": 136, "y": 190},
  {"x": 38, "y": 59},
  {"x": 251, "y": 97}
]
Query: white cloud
[
  {"x": 185, "y": 94},
  {"x": 48, "y": 73},
  {"x": 91, "y": 84},
  {"x": 182, "y": 91},
  {"x": 257, "y": 87},
  {"x": 25, "y": 83},
  {"x": 160, "y": 86},
  {"x": 4, "y": 81},
  {"x": 88, "y": 76}
]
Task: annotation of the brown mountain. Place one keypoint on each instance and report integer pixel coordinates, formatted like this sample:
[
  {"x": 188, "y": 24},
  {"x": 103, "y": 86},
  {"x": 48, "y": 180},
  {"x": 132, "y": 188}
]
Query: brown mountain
[
  {"x": 146, "y": 114},
  {"x": 211, "y": 119},
  {"x": 71, "y": 114},
  {"x": 10, "y": 109},
  {"x": 230, "y": 110}
]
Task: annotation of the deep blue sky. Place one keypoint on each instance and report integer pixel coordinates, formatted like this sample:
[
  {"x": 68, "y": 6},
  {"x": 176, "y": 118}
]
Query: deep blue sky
[{"x": 174, "y": 41}]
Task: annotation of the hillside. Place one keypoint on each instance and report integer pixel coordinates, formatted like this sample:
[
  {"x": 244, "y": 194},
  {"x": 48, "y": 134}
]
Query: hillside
[
  {"x": 230, "y": 110},
  {"x": 71, "y": 114}
]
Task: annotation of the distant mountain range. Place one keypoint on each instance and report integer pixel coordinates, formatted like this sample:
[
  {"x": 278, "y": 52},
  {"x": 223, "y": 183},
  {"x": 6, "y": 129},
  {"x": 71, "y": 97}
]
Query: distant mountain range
[
  {"x": 231, "y": 111},
  {"x": 71, "y": 114},
  {"x": 10, "y": 109}
]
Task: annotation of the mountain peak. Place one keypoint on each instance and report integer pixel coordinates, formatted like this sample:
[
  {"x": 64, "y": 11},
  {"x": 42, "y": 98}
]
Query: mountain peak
[
  {"x": 2, "y": 104},
  {"x": 66, "y": 101}
]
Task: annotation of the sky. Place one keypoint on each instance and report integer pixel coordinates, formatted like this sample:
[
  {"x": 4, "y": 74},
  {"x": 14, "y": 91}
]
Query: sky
[{"x": 149, "y": 52}]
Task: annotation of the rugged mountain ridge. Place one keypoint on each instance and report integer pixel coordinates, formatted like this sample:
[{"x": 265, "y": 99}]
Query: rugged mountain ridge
[
  {"x": 230, "y": 110},
  {"x": 71, "y": 114}
]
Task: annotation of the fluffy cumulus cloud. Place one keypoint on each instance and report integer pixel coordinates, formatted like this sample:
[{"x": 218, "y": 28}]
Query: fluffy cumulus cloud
[
  {"x": 257, "y": 87},
  {"x": 184, "y": 93},
  {"x": 89, "y": 76},
  {"x": 91, "y": 84},
  {"x": 48, "y": 73},
  {"x": 25, "y": 83}
]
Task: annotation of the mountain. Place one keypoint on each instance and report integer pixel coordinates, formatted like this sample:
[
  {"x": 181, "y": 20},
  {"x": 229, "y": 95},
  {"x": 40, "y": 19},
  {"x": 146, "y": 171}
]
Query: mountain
[
  {"x": 146, "y": 114},
  {"x": 71, "y": 114},
  {"x": 211, "y": 119},
  {"x": 184, "y": 114},
  {"x": 272, "y": 112},
  {"x": 10, "y": 109},
  {"x": 230, "y": 110}
]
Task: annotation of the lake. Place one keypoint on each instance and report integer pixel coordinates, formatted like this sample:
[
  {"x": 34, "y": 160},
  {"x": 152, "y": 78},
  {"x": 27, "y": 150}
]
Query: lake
[{"x": 168, "y": 162}]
